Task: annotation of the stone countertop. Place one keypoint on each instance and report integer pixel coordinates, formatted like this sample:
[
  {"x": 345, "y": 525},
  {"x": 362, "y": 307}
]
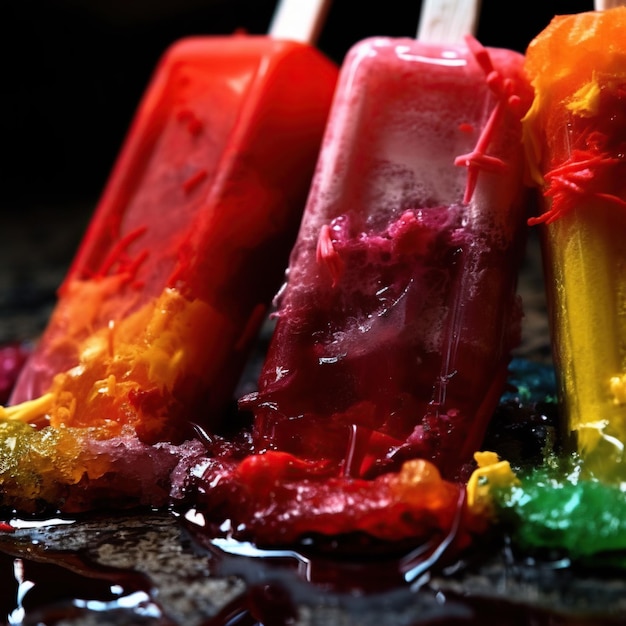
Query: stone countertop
[{"x": 163, "y": 577}]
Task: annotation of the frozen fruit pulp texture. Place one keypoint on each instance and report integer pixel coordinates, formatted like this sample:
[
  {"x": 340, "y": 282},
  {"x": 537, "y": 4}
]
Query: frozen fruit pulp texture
[
  {"x": 410, "y": 346},
  {"x": 205, "y": 198},
  {"x": 578, "y": 120}
]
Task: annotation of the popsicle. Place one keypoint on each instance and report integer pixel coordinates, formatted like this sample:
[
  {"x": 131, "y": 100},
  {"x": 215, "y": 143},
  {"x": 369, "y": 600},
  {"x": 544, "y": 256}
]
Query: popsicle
[
  {"x": 396, "y": 321},
  {"x": 189, "y": 240},
  {"x": 576, "y": 134}
]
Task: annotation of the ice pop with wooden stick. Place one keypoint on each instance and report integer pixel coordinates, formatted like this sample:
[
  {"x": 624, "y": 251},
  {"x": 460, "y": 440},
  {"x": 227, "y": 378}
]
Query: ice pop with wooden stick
[
  {"x": 396, "y": 322},
  {"x": 576, "y": 135},
  {"x": 189, "y": 240}
]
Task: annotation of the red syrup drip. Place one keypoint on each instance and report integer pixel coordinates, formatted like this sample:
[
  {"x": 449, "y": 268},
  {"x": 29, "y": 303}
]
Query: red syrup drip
[
  {"x": 592, "y": 169},
  {"x": 118, "y": 260},
  {"x": 478, "y": 160}
]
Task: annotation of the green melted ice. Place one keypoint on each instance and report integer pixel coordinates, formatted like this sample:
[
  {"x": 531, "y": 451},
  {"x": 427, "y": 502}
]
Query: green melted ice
[
  {"x": 554, "y": 510},
  {"x": 557, "y": 511}
]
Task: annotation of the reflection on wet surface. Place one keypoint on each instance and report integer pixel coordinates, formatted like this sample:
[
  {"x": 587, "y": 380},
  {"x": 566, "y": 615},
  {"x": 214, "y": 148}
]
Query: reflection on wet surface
[{"x": 156, "y": 569}]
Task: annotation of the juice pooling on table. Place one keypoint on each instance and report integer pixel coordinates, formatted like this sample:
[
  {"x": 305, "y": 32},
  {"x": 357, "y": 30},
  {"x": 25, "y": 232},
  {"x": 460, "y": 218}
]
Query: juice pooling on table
[
  {"x": 189, "y": 241},
  {"x": 399, "y": 311},
  {"x": 576, "y": 133}
]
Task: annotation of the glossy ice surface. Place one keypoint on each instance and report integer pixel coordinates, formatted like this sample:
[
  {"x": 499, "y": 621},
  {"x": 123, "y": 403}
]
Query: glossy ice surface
[
  {"x": 395, "y": 324},
  {"x": 576, "y": 133},
  {"x": 189, "y": 240}
]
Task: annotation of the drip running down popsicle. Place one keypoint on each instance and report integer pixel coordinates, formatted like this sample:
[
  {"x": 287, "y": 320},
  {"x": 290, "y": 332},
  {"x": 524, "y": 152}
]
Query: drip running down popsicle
[
  {"x": 576, "y": 133},
  {"x": 399, "y": 312},
  {"x": 189, "y": 240}
]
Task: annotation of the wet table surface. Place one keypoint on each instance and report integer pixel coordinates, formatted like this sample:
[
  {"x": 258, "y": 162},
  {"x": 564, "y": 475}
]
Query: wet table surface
[{"x": 148, "y": 568}]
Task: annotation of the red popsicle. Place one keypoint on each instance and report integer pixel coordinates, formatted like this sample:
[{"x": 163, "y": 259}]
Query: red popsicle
[{"x": 190, "y": 238}]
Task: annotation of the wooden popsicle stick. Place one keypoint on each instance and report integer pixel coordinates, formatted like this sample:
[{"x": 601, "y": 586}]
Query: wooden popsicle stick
[
  {"x": 299, "y": 20},
  {"x": 447, "y": 21},
  {"x": 600, "y": 5}
]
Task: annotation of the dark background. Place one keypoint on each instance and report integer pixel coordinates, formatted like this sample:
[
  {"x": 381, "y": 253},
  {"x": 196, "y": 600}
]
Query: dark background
[
  {"x": 72, "y": 72},
  {"x": 71, "y": 75}
]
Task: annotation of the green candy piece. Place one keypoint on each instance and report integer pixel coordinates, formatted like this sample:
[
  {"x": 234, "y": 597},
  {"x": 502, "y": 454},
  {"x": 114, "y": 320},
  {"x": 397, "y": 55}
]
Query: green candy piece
[{"x": 556, "y": 510}]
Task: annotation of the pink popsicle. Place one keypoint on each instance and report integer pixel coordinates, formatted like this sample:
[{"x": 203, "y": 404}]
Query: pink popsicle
[{"x": 395, "y": 325}]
